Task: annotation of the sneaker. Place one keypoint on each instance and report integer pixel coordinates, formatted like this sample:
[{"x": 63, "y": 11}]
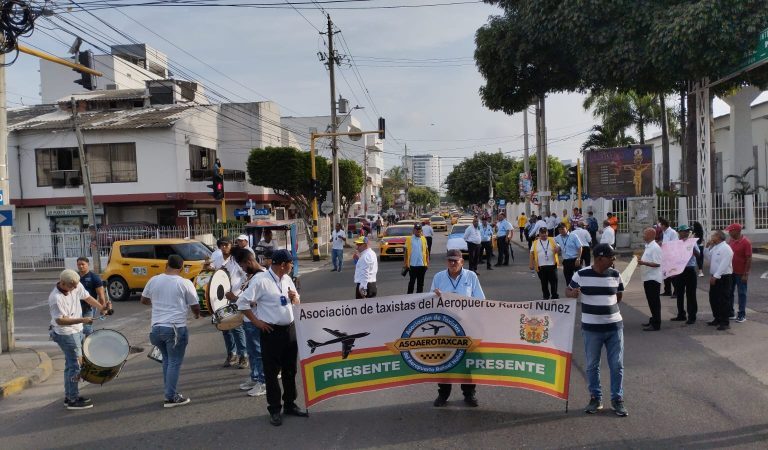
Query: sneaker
[
  {"x": 733, "y": 316},
  {"x": 80, "y": 403},
  {"x": 258, "y": 389},
  {"x": 242, "y": 363},
  {"x": 741, "y": 319},
  {"x": 87, "y": 401},
  {"x": 595, "y": 405},
  {"x": 701, "y": 274},
  {"x": 177, "y": 400},
  {"x": 618, "y": 407},
  {"x": 231, "y": 359},
  {"x": 248, "y": 385}
]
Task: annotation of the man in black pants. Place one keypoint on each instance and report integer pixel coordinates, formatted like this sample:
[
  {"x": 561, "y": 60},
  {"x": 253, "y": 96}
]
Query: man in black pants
[
  {"x": 275, "y": 293},
  {"x": 544, "y": 260},
  {"x": 416, "y": 259},
  {"x": 650, "y": 264},
  {"x": 503, "y": 235},
  {"x": 721, "y": 272},
  {"x": 685, "y": 283},
  {"x": 486, "y": 236}
]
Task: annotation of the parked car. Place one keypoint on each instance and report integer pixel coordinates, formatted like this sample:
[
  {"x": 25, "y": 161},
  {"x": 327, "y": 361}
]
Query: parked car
[
  {"x": 438, "y": 223},
  {"x": 352, "y": 226},
  {"x": 456, "y": 239},
  {"x": 133, "y": 262},
  {"x": 392, "y": 241}
]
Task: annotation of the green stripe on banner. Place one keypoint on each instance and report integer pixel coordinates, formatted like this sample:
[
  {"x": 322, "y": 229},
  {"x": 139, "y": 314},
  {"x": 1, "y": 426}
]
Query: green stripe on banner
[{"x": 503, "y": 364}]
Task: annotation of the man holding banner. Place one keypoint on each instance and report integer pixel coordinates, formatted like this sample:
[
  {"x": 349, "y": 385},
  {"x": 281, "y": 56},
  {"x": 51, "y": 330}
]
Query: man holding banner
[
  {"x": 463, "y": 282},
  {"x": 685, "y": 283},
  {"x": 600, "y": 288}
]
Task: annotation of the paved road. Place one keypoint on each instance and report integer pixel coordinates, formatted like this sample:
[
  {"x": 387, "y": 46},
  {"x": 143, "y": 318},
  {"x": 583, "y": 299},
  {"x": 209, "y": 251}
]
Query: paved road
[{"x": 685, "y": 387}]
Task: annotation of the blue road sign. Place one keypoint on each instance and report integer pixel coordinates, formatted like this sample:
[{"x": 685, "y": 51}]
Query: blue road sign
[
  {"x": 564, "y": 197},
  {"x": 241, "y": 213},
  {"x": 6, "y": 217},
  {"x": 261, "y": 212},
  {"x": 584, "y": 196},
  {"x": 2, "y": 198},
  {"x": 502, "y": 203}
]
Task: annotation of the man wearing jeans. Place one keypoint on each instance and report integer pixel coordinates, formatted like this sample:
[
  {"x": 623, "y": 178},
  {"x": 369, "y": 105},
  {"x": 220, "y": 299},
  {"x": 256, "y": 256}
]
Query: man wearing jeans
[
  {"x": 742, "y": 262},
  {"x": 246, "y": 302},
  {"x": 95, "y": 287},
  {"x": 67, "y": 331},
  {"x": 338, "y": 238},
  {"x": 170, "y": 295},
  {"x": 600, "y": 288}
]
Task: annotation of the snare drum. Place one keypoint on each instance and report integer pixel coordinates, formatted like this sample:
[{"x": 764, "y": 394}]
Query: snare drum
[
  {"x": 201, "y": 286},
  {"x": 104, "y": 354},
  {"x": 227, "y": 318}
]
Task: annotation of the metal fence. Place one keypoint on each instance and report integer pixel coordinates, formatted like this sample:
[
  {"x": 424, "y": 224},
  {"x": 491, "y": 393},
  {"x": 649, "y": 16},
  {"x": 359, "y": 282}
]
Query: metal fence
[{"x": 40, "y": 251}]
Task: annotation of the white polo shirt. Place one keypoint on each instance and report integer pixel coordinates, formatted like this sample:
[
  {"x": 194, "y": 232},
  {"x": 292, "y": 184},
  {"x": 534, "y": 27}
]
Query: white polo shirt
[
  {"x": 171, "y": 297},
  {"x": 67, "y": 305},
  {"x": 268, "y": 290},
  {"x": 652, "y": 254}
]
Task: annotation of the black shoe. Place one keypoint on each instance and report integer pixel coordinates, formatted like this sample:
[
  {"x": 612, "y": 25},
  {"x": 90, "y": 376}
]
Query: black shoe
[
  {"x": 678, "y": 319},
  {"x": 490, "y": 268},
  {"x": 275, "y": 419},
  {"x": 79, "y": 404},
  {"x": 496, "y": 265},
  {"x": 723, "y": 327},
  {"x": 690, "y": 321},
  {"x": 645, "y": 324},
  {"x": 87, "y": 401},
  {"x": 293, "y": 410},
  {"x": 650, "y": 328},
  {"x": 713, "y": 323},
  {"x": 666, "y": 293},
  {"x": 471, "y": 400},
  {"x": 440, "y": 401},
  {"x": 595, "y": 405}
]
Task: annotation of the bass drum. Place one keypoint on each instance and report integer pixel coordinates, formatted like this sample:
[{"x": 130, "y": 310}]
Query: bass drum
[
  {"x": 104, "y": 354},
  {"x": 218, "y": 286},
  {"x": 201, "y": 286}
]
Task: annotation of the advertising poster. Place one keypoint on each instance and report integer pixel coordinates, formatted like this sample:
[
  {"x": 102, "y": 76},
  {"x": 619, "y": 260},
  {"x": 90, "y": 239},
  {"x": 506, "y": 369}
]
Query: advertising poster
[
  {"x": 354, "y": 346},
  {"x": 620, "y": 172}
]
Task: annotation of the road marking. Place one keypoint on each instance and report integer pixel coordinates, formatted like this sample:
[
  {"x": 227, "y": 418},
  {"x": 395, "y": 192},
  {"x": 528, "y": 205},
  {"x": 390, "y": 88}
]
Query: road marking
[{"x": 764, "y": 275}]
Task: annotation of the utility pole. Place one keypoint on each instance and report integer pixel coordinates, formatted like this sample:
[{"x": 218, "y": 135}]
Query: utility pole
[
  {"x": 332, "y": 60},
  {"x": 365, "y": 179},
  {"x": 542, "y": 163},
  {"x": 86, "y": 174},
  {"x": 526, "y": 157},
  {"x": 7, "y": 339},
  {"x": 405, "y": 167}
]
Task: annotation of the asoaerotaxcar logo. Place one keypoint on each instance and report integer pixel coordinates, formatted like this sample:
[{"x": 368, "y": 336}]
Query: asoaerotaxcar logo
[
  {"x": 534, "y": 330},
  {"x": 433, "y": 343}
]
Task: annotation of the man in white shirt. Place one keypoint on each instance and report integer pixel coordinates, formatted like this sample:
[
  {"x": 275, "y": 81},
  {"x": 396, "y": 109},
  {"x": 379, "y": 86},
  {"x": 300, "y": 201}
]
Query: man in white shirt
[
  {"x": 243, "y": 241},
  {"x": 473, "y": 239},
  {"x": 486, "y": 242},
  {"x": 552, "y": 223},
  {"x": 650, "y": 264},
  {"x": 608, "y": 236},
  {"x": 586, "y": 242},
  {"x": 66, "y": 330},
  {"x": 274, "y": 296},
  {"x": 544, "y": 260},
  {"x": 533, "y": 233},
  {"x": 220, "y": 255},
  {"x": 667, "y": 234},
  {"x": 366, "y": 269},
  {"x": 721, "y": 274},
  {"x": 427, "y": 232},
  {"x": 338, "y": 239},
  {"x": 170, "y": 296},
  {"x": 255, "y": 384}
]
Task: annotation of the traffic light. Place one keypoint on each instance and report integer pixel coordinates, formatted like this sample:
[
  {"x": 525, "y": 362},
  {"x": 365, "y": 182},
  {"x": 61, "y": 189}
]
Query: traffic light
[
  {"x": 573, "y": 176},
  {"x": 381, "y": 128},
  {"x": 86, "y": 80},
  {"x": 217, "y": 186}
]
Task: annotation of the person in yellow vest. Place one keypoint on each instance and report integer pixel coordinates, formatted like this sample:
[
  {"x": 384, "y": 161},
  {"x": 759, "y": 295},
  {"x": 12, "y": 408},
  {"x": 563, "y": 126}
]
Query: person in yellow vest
[
  {"x": 416, "y": 259},
  {"x": 544, "y": 260},
  {"x": 566, "y": 221},
  {"x": 522, "y": 221}
]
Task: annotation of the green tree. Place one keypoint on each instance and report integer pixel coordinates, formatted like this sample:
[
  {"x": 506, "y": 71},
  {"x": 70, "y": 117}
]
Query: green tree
[
  {"x": 622, "y": 110},
  {"x": 508, "y": 187},
  {"x": 422, "y": 196},
  {"x": 393, "y": 182},
  {"x": 606, "y": 137},
  {"x": 350, "y": 184},
  {"x": 288, "y": 172},
  {"x": 468, "y": 181}
]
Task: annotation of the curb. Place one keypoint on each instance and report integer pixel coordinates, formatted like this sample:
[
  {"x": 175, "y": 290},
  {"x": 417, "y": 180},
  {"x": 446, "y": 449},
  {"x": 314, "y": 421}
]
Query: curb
[{"x": 38, "y": 375}]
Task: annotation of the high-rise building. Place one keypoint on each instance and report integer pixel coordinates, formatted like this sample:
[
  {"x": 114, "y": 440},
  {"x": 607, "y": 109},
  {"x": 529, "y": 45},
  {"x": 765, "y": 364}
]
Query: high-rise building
[{"x": 424, "y": 170}]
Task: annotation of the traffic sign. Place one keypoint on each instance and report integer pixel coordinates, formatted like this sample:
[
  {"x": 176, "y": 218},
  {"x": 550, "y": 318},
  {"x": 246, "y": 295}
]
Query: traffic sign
[
  {"x": 545, "y": 194},
  {"x": 250, "y": 204},
  {"x": 261, "y": 212},
  {"x": 326, "y": 207},
  {"x": 2, "y": 198},
  {"x": 502, "y": 203},
  {"x": 6, "y": 216},
  {"x": 491, "y": 203},
  {"x": 187, "y": 213},
  {"x": 241, "y": 212},
  {"x": 564, "y": 197}
]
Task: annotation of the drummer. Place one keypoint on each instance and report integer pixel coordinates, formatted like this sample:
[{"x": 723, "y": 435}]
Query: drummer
[
  {"x": 66, "y": 330},
  {"x": 234, "y": 339},
  {"x": 246, "y": 303}
]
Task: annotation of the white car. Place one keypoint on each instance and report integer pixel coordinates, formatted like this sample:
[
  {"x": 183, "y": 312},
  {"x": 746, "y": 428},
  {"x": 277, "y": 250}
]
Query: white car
[{"x": 456, "y": 239}]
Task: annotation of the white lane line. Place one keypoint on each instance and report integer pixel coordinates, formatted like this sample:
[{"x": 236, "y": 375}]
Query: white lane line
[{"x": 764, "y": 275}]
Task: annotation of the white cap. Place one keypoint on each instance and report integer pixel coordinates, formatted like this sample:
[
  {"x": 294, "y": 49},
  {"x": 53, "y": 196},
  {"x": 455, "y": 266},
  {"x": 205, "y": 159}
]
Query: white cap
[{"x": 242, "y": 237}]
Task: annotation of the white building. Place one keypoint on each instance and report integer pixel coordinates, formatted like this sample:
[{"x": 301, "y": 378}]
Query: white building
[
  {"x": 367, "y": 152},
  {"x": 424, "y": 170}
]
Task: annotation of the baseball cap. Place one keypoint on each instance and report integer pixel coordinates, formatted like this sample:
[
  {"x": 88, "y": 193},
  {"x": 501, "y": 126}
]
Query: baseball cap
[
  {"x": 603, "y": 250},
  {"x": 242, "y": 237},
  {"x": 360, "y": 240},
  {"x": 281, "y": 256},
  {"x": 683, "y": 228},
  {"x": 454, "y": 254},
  {"x": 417, "y": 226},
  {"x": 734, "y": 227}
]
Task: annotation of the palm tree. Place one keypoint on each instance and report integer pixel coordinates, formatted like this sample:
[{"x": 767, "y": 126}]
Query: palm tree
[
  {"x": 743, "y": 187},
  {"x": 622, "y": 110},
  {"x": 603, "y": 136}
]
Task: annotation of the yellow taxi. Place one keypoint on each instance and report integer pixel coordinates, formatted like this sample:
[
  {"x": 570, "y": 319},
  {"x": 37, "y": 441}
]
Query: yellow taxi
[
  {"x": 392, "y": 241},
  {"x": 132, "y": 263},
  {"x": 438, "y": 223}
]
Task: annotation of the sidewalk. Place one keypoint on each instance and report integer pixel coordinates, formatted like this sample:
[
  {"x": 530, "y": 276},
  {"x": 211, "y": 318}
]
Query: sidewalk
[{"x": 22, "y": 368}]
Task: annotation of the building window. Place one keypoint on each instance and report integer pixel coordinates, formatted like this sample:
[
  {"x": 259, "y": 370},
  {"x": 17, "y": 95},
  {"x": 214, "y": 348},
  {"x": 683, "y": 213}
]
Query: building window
[
  {"x": 58, "y": 167},
  {"x": 112, "y": 163},
  {"x": 201, "y": 162},
  {"x": 107, "y": 163}
]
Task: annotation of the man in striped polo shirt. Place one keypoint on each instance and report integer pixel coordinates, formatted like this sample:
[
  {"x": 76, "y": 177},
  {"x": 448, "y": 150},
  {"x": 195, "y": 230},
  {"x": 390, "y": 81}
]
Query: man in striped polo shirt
[{"x": 600, "y": 289}]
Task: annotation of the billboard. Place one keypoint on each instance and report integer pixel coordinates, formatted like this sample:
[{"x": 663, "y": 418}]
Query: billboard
[{"x": 620, "y": 172}]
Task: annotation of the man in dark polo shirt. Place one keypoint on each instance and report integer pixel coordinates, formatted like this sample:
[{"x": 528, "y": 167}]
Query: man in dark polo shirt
[{"x": 92, "y": 283}]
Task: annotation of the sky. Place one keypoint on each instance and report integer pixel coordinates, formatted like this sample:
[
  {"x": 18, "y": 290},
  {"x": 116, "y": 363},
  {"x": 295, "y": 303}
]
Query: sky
[{"x": 413, "y": 66}]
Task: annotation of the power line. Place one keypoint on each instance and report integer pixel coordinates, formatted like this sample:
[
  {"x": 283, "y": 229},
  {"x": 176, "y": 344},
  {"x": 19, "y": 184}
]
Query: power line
[{"x": 114, "y": 4}]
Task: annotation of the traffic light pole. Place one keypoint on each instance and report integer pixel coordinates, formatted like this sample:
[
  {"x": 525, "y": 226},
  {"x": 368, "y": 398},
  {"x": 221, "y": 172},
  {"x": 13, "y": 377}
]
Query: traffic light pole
[
  {"x": 315, "y": 214},
  {"x": 7, "y": 339}
]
